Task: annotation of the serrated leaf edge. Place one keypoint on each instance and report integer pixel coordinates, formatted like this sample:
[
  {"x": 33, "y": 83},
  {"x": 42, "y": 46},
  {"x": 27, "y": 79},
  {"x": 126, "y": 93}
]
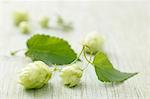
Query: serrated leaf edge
[{"x": 50, "y": 37}]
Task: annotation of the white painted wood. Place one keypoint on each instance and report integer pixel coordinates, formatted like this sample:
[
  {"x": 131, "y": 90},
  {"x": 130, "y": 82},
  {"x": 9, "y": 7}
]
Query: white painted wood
[{"x": 125, "y": 26}]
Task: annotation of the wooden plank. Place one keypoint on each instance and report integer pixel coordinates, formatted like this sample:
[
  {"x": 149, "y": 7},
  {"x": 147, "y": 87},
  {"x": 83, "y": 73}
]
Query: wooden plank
[{"x": 125, "y": 27}]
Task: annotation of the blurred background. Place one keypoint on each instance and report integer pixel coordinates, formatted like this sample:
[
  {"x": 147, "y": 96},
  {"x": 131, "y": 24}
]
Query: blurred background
[{"x": 126, "y": 21}]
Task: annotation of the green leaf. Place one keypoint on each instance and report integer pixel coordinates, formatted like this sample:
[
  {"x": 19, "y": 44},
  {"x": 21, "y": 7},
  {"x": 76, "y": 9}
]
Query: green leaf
[
  {"x": 51, "y": 50},
  {"x": 105, "y": 70}
]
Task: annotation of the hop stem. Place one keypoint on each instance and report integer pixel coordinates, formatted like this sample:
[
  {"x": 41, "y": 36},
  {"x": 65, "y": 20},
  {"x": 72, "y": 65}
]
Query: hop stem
[
  {"x": 89, "y": 61},
  {"x": 78, "y": 55},
  {"x": 13, "y": 53}
]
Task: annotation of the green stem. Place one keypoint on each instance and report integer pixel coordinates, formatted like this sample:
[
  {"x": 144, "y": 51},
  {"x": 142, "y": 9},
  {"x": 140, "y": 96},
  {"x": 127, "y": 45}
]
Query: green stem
[
  {"x": 56, "y": 69},
  {"x": 78, "y": 55},
  {"x": 15, "y": 52},
  {"x": 89, "y": 61}
]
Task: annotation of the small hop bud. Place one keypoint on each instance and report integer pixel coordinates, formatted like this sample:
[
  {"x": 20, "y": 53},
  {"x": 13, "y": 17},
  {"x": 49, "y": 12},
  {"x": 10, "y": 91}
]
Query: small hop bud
[
  {"x": 24, "y": 27},
  {"x": 35, "y": 75},
  {"x": 66, "y": 27},
  {"x": 93, "y": 42},
  {"x": 71, "y": 75},
  {"x": 59, "y": 21},
  {"x": 44, "y": 21},
  {"x": 19, "y": 17}
]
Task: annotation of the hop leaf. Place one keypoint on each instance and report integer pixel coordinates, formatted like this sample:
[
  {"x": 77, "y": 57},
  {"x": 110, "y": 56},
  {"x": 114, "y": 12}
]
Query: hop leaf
[
  {"x": 105, "y": 70},
  {"x": 51, "y": 50}
]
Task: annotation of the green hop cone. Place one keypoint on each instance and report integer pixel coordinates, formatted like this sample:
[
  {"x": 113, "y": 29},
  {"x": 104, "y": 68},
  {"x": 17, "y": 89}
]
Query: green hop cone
[
  {"x": 24, "y": 27},
  {"x": 44, "y": 21},
  {"x": 93, "y": 42},
  {"x": 35, "y": 75},
  {"x": 18, "y": 17},
  {"x": 71, "y": 74}
]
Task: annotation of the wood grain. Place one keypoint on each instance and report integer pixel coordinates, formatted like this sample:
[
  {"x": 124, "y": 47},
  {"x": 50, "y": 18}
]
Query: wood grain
[{"x": 125, "y": 26}]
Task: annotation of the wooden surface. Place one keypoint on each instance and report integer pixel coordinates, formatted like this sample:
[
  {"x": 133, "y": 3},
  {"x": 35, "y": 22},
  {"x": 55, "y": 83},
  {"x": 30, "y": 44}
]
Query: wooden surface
[{"x": 125, "y": 26}]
